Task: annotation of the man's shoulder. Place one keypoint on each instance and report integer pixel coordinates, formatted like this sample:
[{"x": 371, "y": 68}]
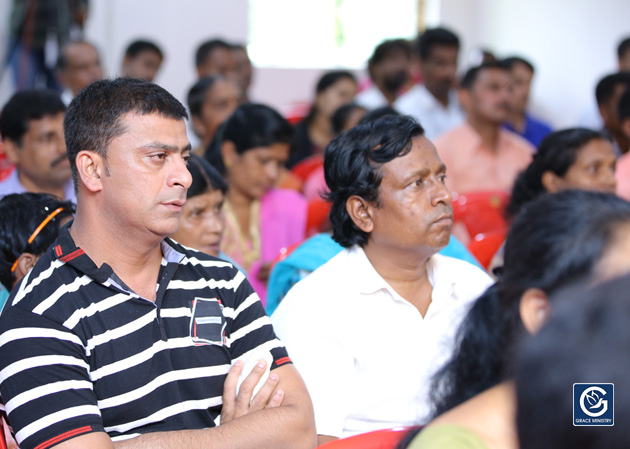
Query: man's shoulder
[
  {"x": 11, "y": 184},
  {"x": 202, "y": 264},
  {"x": 518, "y": 142}
]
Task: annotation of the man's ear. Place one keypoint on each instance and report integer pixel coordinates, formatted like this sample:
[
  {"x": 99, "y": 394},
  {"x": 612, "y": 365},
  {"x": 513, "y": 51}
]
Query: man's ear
[
  {"x": 11, "y": 149},
  {"x": 26, "y": 261},
  {"x": 229, "y": 154},
  {"x": 551, "y": 182},
  {"x": 360, "y": 211},
  {"x": 91, "y": 169},
  {"x": 534, "y": 309}
]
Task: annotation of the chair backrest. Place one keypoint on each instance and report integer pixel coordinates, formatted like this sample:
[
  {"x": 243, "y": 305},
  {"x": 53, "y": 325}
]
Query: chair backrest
[
  {"x": 481, "y": 212},
  {"x": 484, "y": 246},
  {"x": 379, "y": 439},
  {"x": 317, "y": 216}
]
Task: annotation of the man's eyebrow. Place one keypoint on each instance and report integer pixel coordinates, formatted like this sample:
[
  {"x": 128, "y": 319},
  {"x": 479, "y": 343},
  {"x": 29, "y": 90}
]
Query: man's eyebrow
[{"x": 165, "y": 146}]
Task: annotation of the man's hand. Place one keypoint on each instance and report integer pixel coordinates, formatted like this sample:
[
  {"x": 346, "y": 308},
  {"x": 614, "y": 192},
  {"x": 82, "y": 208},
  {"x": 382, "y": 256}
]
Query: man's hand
[{"x": 236, "y": 406}]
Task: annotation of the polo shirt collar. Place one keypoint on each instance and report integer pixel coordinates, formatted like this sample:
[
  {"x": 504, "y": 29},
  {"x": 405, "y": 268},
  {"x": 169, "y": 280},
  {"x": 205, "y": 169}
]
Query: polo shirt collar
[
  {"x": 369, "y": 281},
  {"x": 67, "y": 251}
]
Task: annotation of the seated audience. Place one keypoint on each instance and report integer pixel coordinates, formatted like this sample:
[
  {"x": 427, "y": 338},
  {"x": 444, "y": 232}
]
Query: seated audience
[
  {"x": 30, "y": 223},
  {"x": 244, "y": 70},
  {"x": 347, "y": 116},
  {"x": 389, "y": 70},
  {"x": 312, "y": 134},
  {"x": 250, "y": 151},
  {"x": 555, "y": 240},
  {"x": 519, "y": 120},
  {"x": 608, "y": 93},
  {"x": 623, "y": 163},
  {"x": 78, "y": 66},
  {"x": 215, "y": 57},
  {"x": 31, "y": 124},
  {"x": 574, "y": 158},
  {"x": 392, "y": 213},
  {"x": 121, "y": 337},
  {"x": 480, "y": 154},
  {"x": 142, "y": 60},
  {"x": 434, "y": 102},
  {"x": 211, "y": 101},
  {"x": 586, "y": 340}
]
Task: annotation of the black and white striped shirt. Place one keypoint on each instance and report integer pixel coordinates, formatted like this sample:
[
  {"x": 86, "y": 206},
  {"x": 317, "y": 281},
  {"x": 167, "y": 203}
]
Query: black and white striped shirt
[{"x": 80, "y": 352}]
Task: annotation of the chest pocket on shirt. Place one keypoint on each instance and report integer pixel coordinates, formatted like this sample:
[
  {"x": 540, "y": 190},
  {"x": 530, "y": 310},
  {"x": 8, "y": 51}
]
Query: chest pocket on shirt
[{"x": 207, "y": 323}]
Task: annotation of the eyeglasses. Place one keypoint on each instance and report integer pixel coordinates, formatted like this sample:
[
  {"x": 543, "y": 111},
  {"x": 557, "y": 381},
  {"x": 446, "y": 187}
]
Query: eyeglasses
[{"x": 39, "y": 228}]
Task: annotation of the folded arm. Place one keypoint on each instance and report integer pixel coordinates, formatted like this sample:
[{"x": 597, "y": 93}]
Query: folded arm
[{"x": 289, "y": 425}]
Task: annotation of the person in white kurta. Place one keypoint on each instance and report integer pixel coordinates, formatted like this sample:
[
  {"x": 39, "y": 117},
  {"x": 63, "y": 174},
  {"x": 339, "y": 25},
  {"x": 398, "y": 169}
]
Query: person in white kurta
[{"x": 369, "y": 328}]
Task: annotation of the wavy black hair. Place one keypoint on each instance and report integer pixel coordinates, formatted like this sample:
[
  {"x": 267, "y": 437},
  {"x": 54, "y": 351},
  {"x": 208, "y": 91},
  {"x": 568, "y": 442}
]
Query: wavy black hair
[
  {"x": 352, "y": 162},
  {"x": 556, "y": 153},
  {"x": 21, "y": 214},
  {"x": 250, "y": 126}
]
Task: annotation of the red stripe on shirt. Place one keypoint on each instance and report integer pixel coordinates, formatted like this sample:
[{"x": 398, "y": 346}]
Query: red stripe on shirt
[
  {"x": 73, "y": 255},
  {"x": 283, "y": 361},
  {"x": 58, "y": 250},
  {"x": 64, "y": 436}
]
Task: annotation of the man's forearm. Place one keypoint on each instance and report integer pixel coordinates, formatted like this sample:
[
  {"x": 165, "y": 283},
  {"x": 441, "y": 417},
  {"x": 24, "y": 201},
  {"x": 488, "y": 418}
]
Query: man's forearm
[{"x": 275, "y": 428}]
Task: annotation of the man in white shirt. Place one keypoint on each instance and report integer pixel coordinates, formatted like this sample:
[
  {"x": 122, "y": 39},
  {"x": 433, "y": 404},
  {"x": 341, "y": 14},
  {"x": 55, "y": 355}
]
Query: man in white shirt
[
  {"x": 434, "y": 102},
  {"x": 370, "y": 327}
]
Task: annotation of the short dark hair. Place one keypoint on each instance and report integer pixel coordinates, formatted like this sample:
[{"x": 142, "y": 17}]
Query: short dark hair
[
  {"x": 204, "y": 177},
  {"x": 197, "y": 93},
  {"x": 378, "y": 113},
  {"x": 93, "y": 119},
  {"x": 387, "y": 47},
  {"x": 21, "y": 214},
  {"x": 624, "y": 106},
  {"x": 606, "y": 86},
  {"x": 472, "y": 74},
  {"x": 433, "y": 37},
  {"x": 250, "y": 126},
  {"x": 556, "y": 153},
  {"x": 585, "y": 340},
  {"x": 352, "y": 163},
  {"x": 139, "y": 46},
  {"x": 204, "y": 50},
  {"x": 623, "y": 47},
  {"x": 511, "y": 61},
  {"x": 330, "y": 78},
  {"x": 26, "y": 106}
]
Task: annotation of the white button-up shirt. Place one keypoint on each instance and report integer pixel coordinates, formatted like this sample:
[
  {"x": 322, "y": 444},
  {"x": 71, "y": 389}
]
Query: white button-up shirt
[
  {"x": 432, "y": 115},
  {"x": 365, "y": 353}
]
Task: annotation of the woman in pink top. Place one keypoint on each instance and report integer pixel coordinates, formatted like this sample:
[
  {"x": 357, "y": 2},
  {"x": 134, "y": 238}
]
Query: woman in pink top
[{"x": 250, "y": 149}]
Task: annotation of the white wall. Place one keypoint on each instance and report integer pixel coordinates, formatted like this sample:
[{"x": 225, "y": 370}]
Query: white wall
[{"x": 572, "y": 43}]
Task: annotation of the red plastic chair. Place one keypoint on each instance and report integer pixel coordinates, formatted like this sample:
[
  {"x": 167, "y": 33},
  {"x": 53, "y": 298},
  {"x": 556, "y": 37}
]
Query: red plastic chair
[
  {"x": 485, "y": 246},
  {"x": 298, "y": 112},
  {"x": 304, "y": 168},
  {"x": 379, "y": 439},
  {"x": 481, "y": 212},
  {"x": 317, "y": 216}
]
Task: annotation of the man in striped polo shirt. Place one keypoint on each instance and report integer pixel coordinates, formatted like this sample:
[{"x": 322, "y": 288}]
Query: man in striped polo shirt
[{"x": 119, "y": 336}]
